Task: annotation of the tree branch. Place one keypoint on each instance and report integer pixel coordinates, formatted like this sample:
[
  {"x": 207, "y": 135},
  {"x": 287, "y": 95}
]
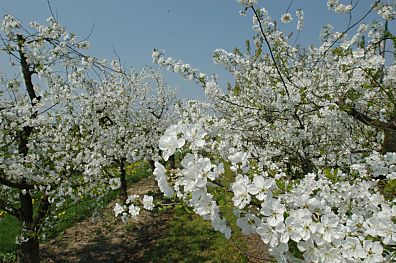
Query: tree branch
[
  {"x": 270, "y": 50},
  {"x": 42, "y": 210},
  {"x": 11, "y": 184},
  {"x": 27, "y": 73},
  {"x": 353, "y": 112},
  {"x": 6, "y": 206}
]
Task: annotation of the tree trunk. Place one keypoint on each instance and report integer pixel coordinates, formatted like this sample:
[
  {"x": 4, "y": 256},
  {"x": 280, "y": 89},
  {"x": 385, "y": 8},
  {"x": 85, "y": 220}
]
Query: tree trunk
[
  {"x": 28, "y": 252},
  {"x": 152, "y": 165},
  {"x": 124, "y": 187},
  {"x": 389, "y": 143}
]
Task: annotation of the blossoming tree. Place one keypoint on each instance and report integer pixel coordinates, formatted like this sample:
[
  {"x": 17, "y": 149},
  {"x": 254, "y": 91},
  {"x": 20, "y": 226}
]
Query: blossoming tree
[
  {"x": 125, "y": 118},
  {"x": 42, "y": 159},
  {"x": 308, "y": 134},
  {"x": 65, "y": 118}
]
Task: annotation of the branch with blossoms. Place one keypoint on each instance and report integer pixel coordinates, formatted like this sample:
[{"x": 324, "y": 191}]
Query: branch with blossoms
[
  {"x": 353, "y": 112},
  {"x": 284, "y": 215},
  {"x": 19, "y": 185}
]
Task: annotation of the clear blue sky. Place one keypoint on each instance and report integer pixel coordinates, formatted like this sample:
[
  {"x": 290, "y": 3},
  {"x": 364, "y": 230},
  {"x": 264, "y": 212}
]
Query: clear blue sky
[{"x": 185, "y": 29}]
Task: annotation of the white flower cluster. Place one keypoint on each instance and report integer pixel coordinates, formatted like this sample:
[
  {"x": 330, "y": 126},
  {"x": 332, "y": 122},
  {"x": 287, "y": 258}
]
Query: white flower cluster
[
  {"x": 177, "y": 135},
  {"x": 133, "y": 206},
  {"x": 325, "y": 221},
  {"x": 337, "y": 7},
  {"x": 177, "y": 66},
  {"x": 247, "y": 3},
  {"x": 191, "y": 183},
  {"x": 341, "y": 8},
  {"x": 115, "y": 183},
  {"x": 300, "y": 21},
  {"x": 377, "y": 165},
  {"x": 9, "y": 23},
  {"x": 162, "y": 179},
  {"x": 387, "y": 11}
]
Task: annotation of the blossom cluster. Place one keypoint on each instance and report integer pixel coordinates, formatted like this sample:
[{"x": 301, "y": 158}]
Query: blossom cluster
[
  {"x": 329, "y": 216},
  {"x": 133, "y": 206},
  {"x": 247, "y": 3}
]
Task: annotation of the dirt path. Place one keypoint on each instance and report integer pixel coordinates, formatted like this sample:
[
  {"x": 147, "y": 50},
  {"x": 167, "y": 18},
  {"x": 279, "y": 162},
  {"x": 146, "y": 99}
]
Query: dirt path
[
  {"x": 108, "y": 240},
  {"x": 257, "y": 251}
]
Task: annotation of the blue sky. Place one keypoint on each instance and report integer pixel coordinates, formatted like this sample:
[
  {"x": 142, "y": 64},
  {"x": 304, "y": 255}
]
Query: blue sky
[{"x": 185, "y": 29}]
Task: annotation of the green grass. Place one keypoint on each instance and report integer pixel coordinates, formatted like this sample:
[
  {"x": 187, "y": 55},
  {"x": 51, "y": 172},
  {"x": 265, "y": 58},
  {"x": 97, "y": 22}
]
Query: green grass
[
  {"x": 9, "y": 229},
  {"x": 189, "y": 238}
]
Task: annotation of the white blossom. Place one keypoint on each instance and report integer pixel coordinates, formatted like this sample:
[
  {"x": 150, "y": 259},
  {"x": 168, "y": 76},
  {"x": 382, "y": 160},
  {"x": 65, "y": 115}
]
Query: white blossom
[
  {"x": 286, "y": 18},
  {"x": 148, "y": 202}
]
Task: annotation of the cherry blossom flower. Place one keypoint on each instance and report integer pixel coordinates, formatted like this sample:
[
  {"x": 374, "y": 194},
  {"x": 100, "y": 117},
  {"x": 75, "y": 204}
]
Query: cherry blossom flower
[
  {"x": 352, "y": 248},
  {"x": 240, "y": 189},
  {"x": 148, "y": 202},
  {"x": 118, "y": 209},
  {"x": 290, "y": 229},
  {"x": 373, "y": 251},
  {"x": 260, "y": 186},
  {"x": 286, "y": 18},
  {"x": 169, "y": 143},
  {"x": 273, "y": 210},
  {"x": 160, "y": 176},
  {"x": 133, "y": 210},
  {"x": 329, "y": 227},
  {"x": 115, "y": 183},
  {"x": 268, "y": 234}
]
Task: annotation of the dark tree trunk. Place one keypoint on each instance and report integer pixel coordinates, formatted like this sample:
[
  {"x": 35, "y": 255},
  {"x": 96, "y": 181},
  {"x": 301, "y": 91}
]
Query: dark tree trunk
[
  {"x": 172, "y": 162},
  {"x": 389, "y": 143},
  {"x": 152, "y": 165},
  {"x": 124, "y": 186},
  {"x": 28, "y": 252}
]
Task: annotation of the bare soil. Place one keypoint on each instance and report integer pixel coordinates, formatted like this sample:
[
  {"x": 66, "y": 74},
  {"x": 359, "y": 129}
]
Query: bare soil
[
  {"x": 257, "y": 251},
  {"x": 106, "y": 239}
]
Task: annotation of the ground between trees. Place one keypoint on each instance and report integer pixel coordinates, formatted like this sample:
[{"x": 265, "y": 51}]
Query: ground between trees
[{"x": 107, "y": 239}]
